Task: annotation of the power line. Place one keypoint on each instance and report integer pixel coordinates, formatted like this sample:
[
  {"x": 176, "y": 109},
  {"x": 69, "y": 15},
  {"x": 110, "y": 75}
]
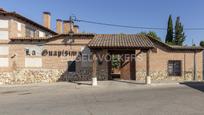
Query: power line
[
  {"x": 132, "y": 27},
  {"x": 117, "y": 25}
]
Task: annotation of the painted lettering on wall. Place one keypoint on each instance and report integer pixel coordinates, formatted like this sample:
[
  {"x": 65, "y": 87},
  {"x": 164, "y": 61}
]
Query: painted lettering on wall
[{"x": 60, "y": 53}]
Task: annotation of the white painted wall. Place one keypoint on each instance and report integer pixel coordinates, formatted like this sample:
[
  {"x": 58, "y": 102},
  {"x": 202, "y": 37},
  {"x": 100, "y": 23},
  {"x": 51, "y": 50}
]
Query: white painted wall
[
  {"x": 4, "y": 62},
  {"x": 3, "y": 23},
  {"x": 33, "y": 62},
  {"x": 4, "y": 35},
  {"x": 19, "y": 35},
  {"x": 18, "y": 26},
  {"x": 41, "y": 34},
  {"x": 4, "y": 50}
]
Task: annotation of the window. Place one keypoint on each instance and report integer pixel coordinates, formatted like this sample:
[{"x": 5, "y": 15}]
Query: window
[
  {"x": 3, "y": 35},
  {"x": 71, "y": 66},
  {"x": 3, "y": 23},
  {"x": 174, "y": 68},
  {"x": 18, "y": 26},
  {"x": 30, "y": 32},
  {"x": 41, "y": 34},
  {"x": 4, "y": 50}
]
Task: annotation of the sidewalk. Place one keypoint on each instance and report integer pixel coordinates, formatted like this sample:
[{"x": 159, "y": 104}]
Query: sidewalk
[{"x": 101, "y": 84}]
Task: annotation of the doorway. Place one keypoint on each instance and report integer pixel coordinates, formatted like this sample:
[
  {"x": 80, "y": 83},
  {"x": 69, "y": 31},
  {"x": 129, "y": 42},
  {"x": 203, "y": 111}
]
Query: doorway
[{"x": 122, "y": 65}]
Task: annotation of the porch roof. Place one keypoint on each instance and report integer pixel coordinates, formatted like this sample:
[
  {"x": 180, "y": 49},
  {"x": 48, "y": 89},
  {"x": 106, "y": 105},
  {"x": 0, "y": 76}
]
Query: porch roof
[{"x": 121, "y": 41}]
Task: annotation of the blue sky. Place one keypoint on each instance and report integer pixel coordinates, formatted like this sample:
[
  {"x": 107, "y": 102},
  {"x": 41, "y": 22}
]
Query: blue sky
[{"x": 150, "y": 13}]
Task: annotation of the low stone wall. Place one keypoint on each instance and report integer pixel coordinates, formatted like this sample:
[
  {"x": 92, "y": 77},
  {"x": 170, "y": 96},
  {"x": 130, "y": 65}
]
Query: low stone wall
[
  {"x": 26, "y": 76},
  {"x": 84, "y": 74},
  {"x": 163, "y": 75}
]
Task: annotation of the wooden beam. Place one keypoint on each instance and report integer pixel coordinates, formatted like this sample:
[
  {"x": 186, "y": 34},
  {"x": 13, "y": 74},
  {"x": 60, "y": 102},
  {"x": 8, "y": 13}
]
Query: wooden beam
[{"x": 147, "y": 63}]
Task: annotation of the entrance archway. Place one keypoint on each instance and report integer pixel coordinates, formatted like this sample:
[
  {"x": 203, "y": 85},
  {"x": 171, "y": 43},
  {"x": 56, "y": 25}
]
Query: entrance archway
[{"x": 126, "y": 67}]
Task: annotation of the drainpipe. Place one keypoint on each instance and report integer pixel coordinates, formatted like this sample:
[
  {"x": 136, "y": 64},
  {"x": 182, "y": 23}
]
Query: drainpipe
[{"x": 195, "y": 67}]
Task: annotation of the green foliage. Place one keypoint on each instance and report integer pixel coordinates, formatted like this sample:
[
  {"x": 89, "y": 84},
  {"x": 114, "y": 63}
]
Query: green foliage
[
  {"x": 152, "y": 34},
  {"x": 171, "y": 43},
  {"x": 176, "y": 37},
  {"x": 202, "y": 43},
  {"x": 169, "y": 35},
  {"x": 179, "y": 34},
  {"x": 115, "y": 61}
]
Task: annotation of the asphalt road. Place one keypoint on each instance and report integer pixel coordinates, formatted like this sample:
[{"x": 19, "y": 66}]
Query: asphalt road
[{"x": 106, "y": 99}]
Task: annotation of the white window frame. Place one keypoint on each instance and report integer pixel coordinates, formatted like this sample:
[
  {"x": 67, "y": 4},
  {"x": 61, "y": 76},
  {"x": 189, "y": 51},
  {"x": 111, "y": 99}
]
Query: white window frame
[
  {"x": 41, "y": 34},
  {"x": 4, "y": 50},
  {"x": 18, "y": 26},
  {"x": 4, "y": 23},
  {"x": 4, "y": 35}
]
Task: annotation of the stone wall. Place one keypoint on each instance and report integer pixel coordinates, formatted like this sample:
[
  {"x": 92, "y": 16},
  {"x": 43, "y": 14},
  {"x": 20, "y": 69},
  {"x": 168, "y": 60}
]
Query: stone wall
[
  {"x": 26, "y": 76},
  {"x": 163, "y": 75},
  {"x": 84, "y": 74},
  {"x": 102, "y": 66}
]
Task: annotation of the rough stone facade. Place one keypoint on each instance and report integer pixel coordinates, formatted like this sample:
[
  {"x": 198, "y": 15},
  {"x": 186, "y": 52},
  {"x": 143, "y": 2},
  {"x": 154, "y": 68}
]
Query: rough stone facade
[
  {"x": 102, "y": 72},
  {"x": 27, "y": 76},
  {"x": 163, "y": 75}
]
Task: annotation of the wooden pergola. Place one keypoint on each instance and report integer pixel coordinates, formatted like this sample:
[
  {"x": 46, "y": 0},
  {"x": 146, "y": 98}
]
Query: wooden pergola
[{"x": 120, "y": 43}]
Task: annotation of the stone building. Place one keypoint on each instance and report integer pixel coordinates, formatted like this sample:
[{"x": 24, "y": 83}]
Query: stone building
[{"x": 32, "y": 53}]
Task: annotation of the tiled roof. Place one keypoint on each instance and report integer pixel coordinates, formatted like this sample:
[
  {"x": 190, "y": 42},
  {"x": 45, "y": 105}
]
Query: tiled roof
[
  {"x": 175, "y": 47},
  {"x": 120, "y": 41},
  {"x": 14, "y": 14},
  {"x": 188, "y": 47},
  {"x": 49, "y": 38},
  {"x": 29, "y": 38}
]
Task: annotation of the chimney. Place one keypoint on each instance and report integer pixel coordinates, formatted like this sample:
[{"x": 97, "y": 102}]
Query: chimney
[
  {"x": 2, "y": 10},
  {"x": 47, "y": 19},
  {"x": 68, "y": 26},
  {"x": 76, "y": 29},
  {"x": 59, "y": 26}
]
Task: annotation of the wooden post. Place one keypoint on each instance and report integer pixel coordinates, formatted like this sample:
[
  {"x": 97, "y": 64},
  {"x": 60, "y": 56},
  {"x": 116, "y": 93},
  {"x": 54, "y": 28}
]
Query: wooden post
[
  {"x": 195, "y": 68},
  {"x": 148, "y": 78},
  {"x": 94, "y": 77}
]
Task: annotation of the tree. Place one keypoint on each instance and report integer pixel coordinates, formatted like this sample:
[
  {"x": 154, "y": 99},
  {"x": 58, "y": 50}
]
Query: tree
[
  {"x": 202, "y": 43},
  {"x": 115, "y": 62},
  {"x": 169, "y": 35},
  {"x": 179, "y": 34},
  {"x": 152, "y": 34}
]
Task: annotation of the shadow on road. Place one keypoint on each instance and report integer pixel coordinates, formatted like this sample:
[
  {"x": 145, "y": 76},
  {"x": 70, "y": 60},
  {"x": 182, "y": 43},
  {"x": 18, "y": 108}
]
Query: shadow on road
[
  {"x": 80, "y": 83},
  {"x": 196, "y": 85},
  {"x": 129, "y": 82}
]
